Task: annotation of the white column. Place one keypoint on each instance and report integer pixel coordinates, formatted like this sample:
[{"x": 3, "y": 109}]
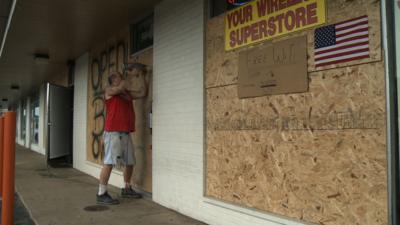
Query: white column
[
  {"x": 42, "y": 126},
  {"x": 80, "y": 113},
  {"x": 17, "y": 110},
  {"x": 20, "y": 141},
  {"x": 28, "y": 123}
]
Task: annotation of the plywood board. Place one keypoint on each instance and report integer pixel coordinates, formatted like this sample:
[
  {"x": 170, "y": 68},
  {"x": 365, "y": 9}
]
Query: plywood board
[
  {"x": 104, "y": 58},
  {"x": 318, "y": 156}
]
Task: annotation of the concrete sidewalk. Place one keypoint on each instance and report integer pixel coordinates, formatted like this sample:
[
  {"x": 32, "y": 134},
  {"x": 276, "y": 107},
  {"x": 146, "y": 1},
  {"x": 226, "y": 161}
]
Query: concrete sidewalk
[{"x": 59, "y": 196}]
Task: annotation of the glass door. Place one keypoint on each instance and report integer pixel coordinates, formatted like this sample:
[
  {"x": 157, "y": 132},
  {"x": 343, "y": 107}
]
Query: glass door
[
  {"x": 35, "y": 111},
  {"x": 23, "y": 121}
]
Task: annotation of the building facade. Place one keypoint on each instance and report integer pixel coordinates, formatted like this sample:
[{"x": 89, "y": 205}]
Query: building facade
[{"x": 194, "y": 158}]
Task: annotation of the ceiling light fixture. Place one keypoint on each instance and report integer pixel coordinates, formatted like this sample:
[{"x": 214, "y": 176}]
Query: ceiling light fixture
[
  {"x": 3, "y": 41},
  {"x": 14, "y": 87},
  {"x": 41, "y": 58}
]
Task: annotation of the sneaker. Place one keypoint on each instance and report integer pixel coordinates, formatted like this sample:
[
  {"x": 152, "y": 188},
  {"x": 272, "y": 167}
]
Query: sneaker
[
  {"x": 106, "y": 199},
  {"x": 130, "y": 193}
]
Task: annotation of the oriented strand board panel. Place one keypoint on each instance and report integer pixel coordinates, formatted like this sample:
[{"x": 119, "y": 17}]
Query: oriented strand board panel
[
  {"x": 223, "y": 69},
  {"x": 104, "y": 58},
  {"x": 318, "y": 156},
  {"x": 142, "y": 138}
]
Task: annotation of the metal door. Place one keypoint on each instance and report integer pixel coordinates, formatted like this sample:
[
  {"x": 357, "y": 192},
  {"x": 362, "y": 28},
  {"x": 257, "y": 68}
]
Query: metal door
[{"x": 59, "y": 121}]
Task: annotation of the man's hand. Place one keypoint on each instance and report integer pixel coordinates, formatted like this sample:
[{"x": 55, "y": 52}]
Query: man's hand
[{"x": 116, "y": 90}]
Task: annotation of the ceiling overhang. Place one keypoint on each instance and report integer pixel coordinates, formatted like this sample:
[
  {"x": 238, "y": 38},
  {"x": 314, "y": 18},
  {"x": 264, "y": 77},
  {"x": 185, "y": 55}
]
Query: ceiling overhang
[
  {"x": 6, "y": 11},
  {"x": 63, "y": 29}
]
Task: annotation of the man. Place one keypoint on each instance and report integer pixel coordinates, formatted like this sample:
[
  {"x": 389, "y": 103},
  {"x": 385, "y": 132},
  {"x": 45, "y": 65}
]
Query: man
[{"x": 119, "y": 123}]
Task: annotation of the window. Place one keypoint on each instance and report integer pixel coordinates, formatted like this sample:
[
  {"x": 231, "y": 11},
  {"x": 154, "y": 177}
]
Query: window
[
  {"x": 35, "y": 112},
  {"x": 23, "y": 120},
  {"x": 141, "y": 34}
]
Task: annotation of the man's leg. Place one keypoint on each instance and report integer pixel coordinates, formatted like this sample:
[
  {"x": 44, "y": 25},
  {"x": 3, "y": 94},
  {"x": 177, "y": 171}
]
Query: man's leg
[
  {"x": 102, "y": 196},
  {"x": 127, "y": 191},
  {"x": 104, "y": 177},
  {"x": 129, "y": 160},
  {"x": 105, "y": 174},
  {"x": 128, "y": 175}
]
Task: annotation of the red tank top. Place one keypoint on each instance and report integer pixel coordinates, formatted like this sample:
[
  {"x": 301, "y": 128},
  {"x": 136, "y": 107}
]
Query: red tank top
[{"x": 120, "y": 115}]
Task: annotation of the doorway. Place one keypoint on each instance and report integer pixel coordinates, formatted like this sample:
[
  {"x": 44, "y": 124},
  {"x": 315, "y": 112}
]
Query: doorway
[{"x": 59, "y": 125}]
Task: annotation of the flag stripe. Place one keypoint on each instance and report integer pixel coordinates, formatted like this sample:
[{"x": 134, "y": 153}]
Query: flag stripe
[
  {"x": 352, "y": 22},
  {"x": 360, "y": 30},
  {"x": 359, "y": 34},
  {"x": 343, "y": 57},
  {"x": 343, "y": 60},
  {"x": 357, "y": 18},
  {"x": 352, "y": 39},
  {"x": 351, "y": 29},
  {"x": 322, "y": 58},
  {"x": 351, "y": 26},
  {"x": 342, "y": 45},
  {"x": 346, "y": 50}
]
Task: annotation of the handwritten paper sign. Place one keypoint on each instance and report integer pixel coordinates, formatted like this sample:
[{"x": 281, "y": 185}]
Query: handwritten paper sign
[
  {"x": 277, "y": 68},
  {"x": 262, "y": 20}
]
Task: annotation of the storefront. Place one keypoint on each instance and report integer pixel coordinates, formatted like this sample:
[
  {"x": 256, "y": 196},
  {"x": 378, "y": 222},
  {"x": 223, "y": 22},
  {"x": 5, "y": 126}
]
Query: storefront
[
  {"x": 251, "y": 117},
  {"x": 31, "y": 121},
  {"x": 316, "y": 155}
]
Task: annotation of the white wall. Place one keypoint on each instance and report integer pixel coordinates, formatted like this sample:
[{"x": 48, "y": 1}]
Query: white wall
[
  {"x": 42, "y": 119},
  {"x": 178, "y": 119},
  {"x": 28, "y": 123},
  {"x": 80, "y": 124},
  {"x": 18, "y": 136},
  {"x": 18, "y": 128}
]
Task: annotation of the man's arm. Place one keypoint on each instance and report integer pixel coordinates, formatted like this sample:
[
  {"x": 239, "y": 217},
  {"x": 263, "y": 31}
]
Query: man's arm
[
  {"x": 142, "y": 92},
  {"x": 115, "y": 90}
]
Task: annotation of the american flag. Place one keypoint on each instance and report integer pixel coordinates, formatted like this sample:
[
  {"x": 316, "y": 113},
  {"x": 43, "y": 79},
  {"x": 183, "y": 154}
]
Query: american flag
[{"x": 342, "y": 42}]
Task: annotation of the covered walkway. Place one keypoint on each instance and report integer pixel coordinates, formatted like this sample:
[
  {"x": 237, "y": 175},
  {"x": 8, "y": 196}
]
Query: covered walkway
[{"x": 59, "y": 196}]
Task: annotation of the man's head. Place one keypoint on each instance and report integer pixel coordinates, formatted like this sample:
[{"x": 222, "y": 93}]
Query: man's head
[{"x": 114, "y": 79}]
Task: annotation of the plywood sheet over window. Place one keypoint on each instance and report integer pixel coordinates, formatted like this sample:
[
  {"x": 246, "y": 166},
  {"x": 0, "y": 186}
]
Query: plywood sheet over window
[
  {"x": 104, "y": 58},
  {"x": 318, "y": 156}
]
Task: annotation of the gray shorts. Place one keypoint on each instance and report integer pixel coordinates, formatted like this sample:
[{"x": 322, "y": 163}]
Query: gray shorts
[{"x": 118, "y": 149}]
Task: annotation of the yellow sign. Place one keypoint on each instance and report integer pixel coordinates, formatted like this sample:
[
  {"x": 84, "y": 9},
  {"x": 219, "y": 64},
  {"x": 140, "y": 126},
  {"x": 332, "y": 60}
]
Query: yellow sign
[{"x": 262, "y": 20}]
